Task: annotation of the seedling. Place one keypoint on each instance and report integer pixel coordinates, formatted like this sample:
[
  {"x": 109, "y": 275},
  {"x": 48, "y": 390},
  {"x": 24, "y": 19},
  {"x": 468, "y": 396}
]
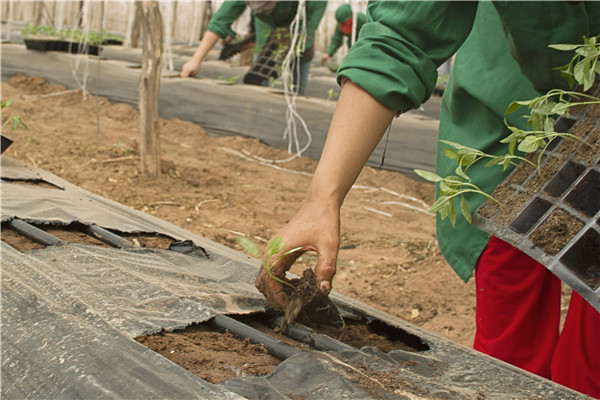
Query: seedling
[
  {"x": 331, "y": 94},
  {"x": 584, "y": 65},
  {"x": 273, "y": 248},
  {"x": 452, "y": 187},
  {"x": 232, "y": 80},
  {"x": 582, "y": 70},
  {"x": 14, "y": 120}
]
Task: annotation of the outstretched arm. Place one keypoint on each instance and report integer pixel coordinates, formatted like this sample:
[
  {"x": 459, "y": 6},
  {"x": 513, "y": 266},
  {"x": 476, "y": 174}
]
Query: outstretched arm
[
  {"x": 358, "y": 123},
  {"x": 192, "y": 67},
  {"x": 218, "y": 28}
]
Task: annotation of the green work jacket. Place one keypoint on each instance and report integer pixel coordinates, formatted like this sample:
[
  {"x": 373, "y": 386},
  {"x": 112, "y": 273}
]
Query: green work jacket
[
  {"x": 282, "y": 16},
  {"x": 502, "y": 56},
  {"x": 338, "y": 36}
]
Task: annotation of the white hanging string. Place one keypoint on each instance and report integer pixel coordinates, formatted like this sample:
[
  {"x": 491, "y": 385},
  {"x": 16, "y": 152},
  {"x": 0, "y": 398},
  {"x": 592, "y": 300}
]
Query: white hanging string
[
  {"x": 168, "y": 12},
  {"x": 194, "y": 24},
  {"x": 10, "y": 12},
  {"x": 292, "y": 58},
  {"x": 59, "y": 15},
  {"x": 80, "y": 62},
  {"x": 131, "y": 14}
]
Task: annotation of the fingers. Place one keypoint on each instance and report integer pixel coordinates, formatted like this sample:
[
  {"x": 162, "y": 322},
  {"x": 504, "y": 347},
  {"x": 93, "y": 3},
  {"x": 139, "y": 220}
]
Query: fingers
[
  {"x": 324, "y": 273},
  {"x": 326, "y": 263}
]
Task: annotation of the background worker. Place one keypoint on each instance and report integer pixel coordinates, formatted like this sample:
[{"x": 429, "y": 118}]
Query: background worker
[
  {"x": 503, "y": 56},
  {"x": 268, "y": 15},
  {"x": 343, "y": 29}
]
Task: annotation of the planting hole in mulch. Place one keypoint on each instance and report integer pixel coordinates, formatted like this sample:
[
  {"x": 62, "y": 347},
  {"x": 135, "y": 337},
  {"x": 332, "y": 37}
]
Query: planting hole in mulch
[
  {"x": 218, "y": 356},
  {"x": 210, "y": 354},
  {"x": 77, "y": 233},
  {"x": 36, "y": 183},
  {"x": 355, "y": 333},
  {"x": 556, "y": 231},
  {"x": 582, "y": 258},
  {"x": 376, "y": 334},
  {"x": 18, "y": 241}
]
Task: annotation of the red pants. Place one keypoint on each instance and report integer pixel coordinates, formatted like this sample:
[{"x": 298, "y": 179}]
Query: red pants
[{"x": 518, "y": 317}]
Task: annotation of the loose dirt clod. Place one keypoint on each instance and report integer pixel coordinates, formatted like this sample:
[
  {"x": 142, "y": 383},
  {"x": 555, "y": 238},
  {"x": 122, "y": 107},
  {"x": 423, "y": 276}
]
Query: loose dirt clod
[{"x": 308, "y": 305}]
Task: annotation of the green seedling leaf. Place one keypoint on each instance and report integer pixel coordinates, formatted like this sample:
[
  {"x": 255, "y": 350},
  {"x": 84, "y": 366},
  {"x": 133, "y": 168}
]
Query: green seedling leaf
[
  {"x": 429, "y": 176},
  {"x": 464, "y": 208},
  {"x": 7, "y": 103},
  {"x": 529, "y": 144},
  {"x": 467, "y": 159},
  {"x": 451, "y": 154},
  {"x": 512, "y": 107},
  {"x": 452, "y": 214},
  {"x": 564, "y": 47},
  {"x": 248, "y": 245},
  {"x": 440, "y": 203},
  {"x": 274, "y": 247},
  {"x": 461, "y": 173}
]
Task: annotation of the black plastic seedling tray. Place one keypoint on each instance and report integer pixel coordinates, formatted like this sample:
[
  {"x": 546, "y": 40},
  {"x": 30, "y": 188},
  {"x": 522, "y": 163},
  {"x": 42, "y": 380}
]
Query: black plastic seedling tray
[
  {"x": 269, "y": 62},
  {"x": 555, "y": 215}
]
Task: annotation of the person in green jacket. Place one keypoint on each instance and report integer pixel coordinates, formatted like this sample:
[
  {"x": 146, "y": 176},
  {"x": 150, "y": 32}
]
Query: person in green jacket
[
  {"x": 502, "y": 56},
  {"x": 267, "y": 16},
  {"x": 343, "y": 15}
]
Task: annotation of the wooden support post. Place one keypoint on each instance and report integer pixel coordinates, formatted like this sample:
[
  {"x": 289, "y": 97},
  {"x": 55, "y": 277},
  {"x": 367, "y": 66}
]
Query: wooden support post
[
  {"x": 152, "y": 49},
  {"x": 133, "y": 34}
]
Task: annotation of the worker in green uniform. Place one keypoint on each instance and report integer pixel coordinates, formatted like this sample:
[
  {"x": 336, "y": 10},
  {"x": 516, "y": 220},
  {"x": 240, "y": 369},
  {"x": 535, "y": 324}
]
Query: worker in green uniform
[
  {"x": 268, "y": 15},
  {"x": 343, "y": 29},
  {"x": 503, "y": 56}
]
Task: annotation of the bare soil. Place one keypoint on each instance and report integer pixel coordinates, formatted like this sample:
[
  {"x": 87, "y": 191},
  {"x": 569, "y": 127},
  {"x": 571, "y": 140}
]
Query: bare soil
[
  {"x": 212, "y": 187},
  {"x": 214, "y": 356}
]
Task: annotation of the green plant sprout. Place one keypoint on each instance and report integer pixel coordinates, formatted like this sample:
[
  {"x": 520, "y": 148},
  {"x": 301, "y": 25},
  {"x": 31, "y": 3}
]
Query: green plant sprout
[
  {"x": 582, "y": 70},
  {"x": 93, "y": 38},
  {"x": 232, "y": 80},
  {"x": 273, "y": 247},
  {"x": 14, "y": 120},
  {"x": 452, "y": 187},
  {"x": 273, "y": 82},
  {"x": 331, "y": 94},
  {"x": 584, "y": 65}
]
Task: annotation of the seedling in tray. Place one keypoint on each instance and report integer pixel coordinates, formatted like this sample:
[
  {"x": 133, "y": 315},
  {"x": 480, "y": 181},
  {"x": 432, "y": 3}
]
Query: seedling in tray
[{"x": 544, "y": 110}]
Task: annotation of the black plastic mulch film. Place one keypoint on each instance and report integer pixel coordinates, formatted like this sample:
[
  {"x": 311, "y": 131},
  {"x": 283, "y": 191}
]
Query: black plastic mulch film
[{"x": 571, "y": 192}]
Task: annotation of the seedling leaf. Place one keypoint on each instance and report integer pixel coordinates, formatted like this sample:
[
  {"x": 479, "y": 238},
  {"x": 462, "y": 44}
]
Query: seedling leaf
[
  {"x": 464, "y": 208},
  {"x": 274, "y": 247},
  {"x": 248, "y": 245},
  {"x": 429, "y": 176},
  {"x": 564, "y": 47}
]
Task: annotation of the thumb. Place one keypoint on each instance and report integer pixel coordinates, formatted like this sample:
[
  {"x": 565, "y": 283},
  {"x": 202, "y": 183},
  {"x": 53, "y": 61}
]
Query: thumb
[{"x": 325, "y": 271}]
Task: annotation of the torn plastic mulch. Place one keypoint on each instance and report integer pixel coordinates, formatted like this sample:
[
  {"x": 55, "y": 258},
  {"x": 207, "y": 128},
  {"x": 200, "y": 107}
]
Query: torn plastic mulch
[{"x": 70, "y": 313}]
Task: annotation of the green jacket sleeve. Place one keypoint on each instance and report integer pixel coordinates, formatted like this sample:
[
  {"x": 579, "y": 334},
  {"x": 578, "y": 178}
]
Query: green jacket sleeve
[
  {"x": 220, "y": 23},
  {"x": 336, "y": 41},
  {"x": 314, "y": 13},
  {"x": 399, "y": 49}
]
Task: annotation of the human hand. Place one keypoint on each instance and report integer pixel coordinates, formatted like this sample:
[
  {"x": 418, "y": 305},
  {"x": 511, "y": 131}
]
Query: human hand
[
  {"x": 314, "y": 228},
  {"x": 190, "y": 68},
  {"x": 325, "y": 58}
]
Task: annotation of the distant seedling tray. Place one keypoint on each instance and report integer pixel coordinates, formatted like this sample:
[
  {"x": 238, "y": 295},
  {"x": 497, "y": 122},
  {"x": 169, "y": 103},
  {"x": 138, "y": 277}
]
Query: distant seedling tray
[
  {"x": 554, "y": 215},
  {"x": 43, "y": 44}
]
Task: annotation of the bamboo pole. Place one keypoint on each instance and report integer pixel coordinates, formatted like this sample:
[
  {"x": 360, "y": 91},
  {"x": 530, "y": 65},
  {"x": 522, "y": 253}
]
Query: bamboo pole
[{"x": 152, "y": 49}]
